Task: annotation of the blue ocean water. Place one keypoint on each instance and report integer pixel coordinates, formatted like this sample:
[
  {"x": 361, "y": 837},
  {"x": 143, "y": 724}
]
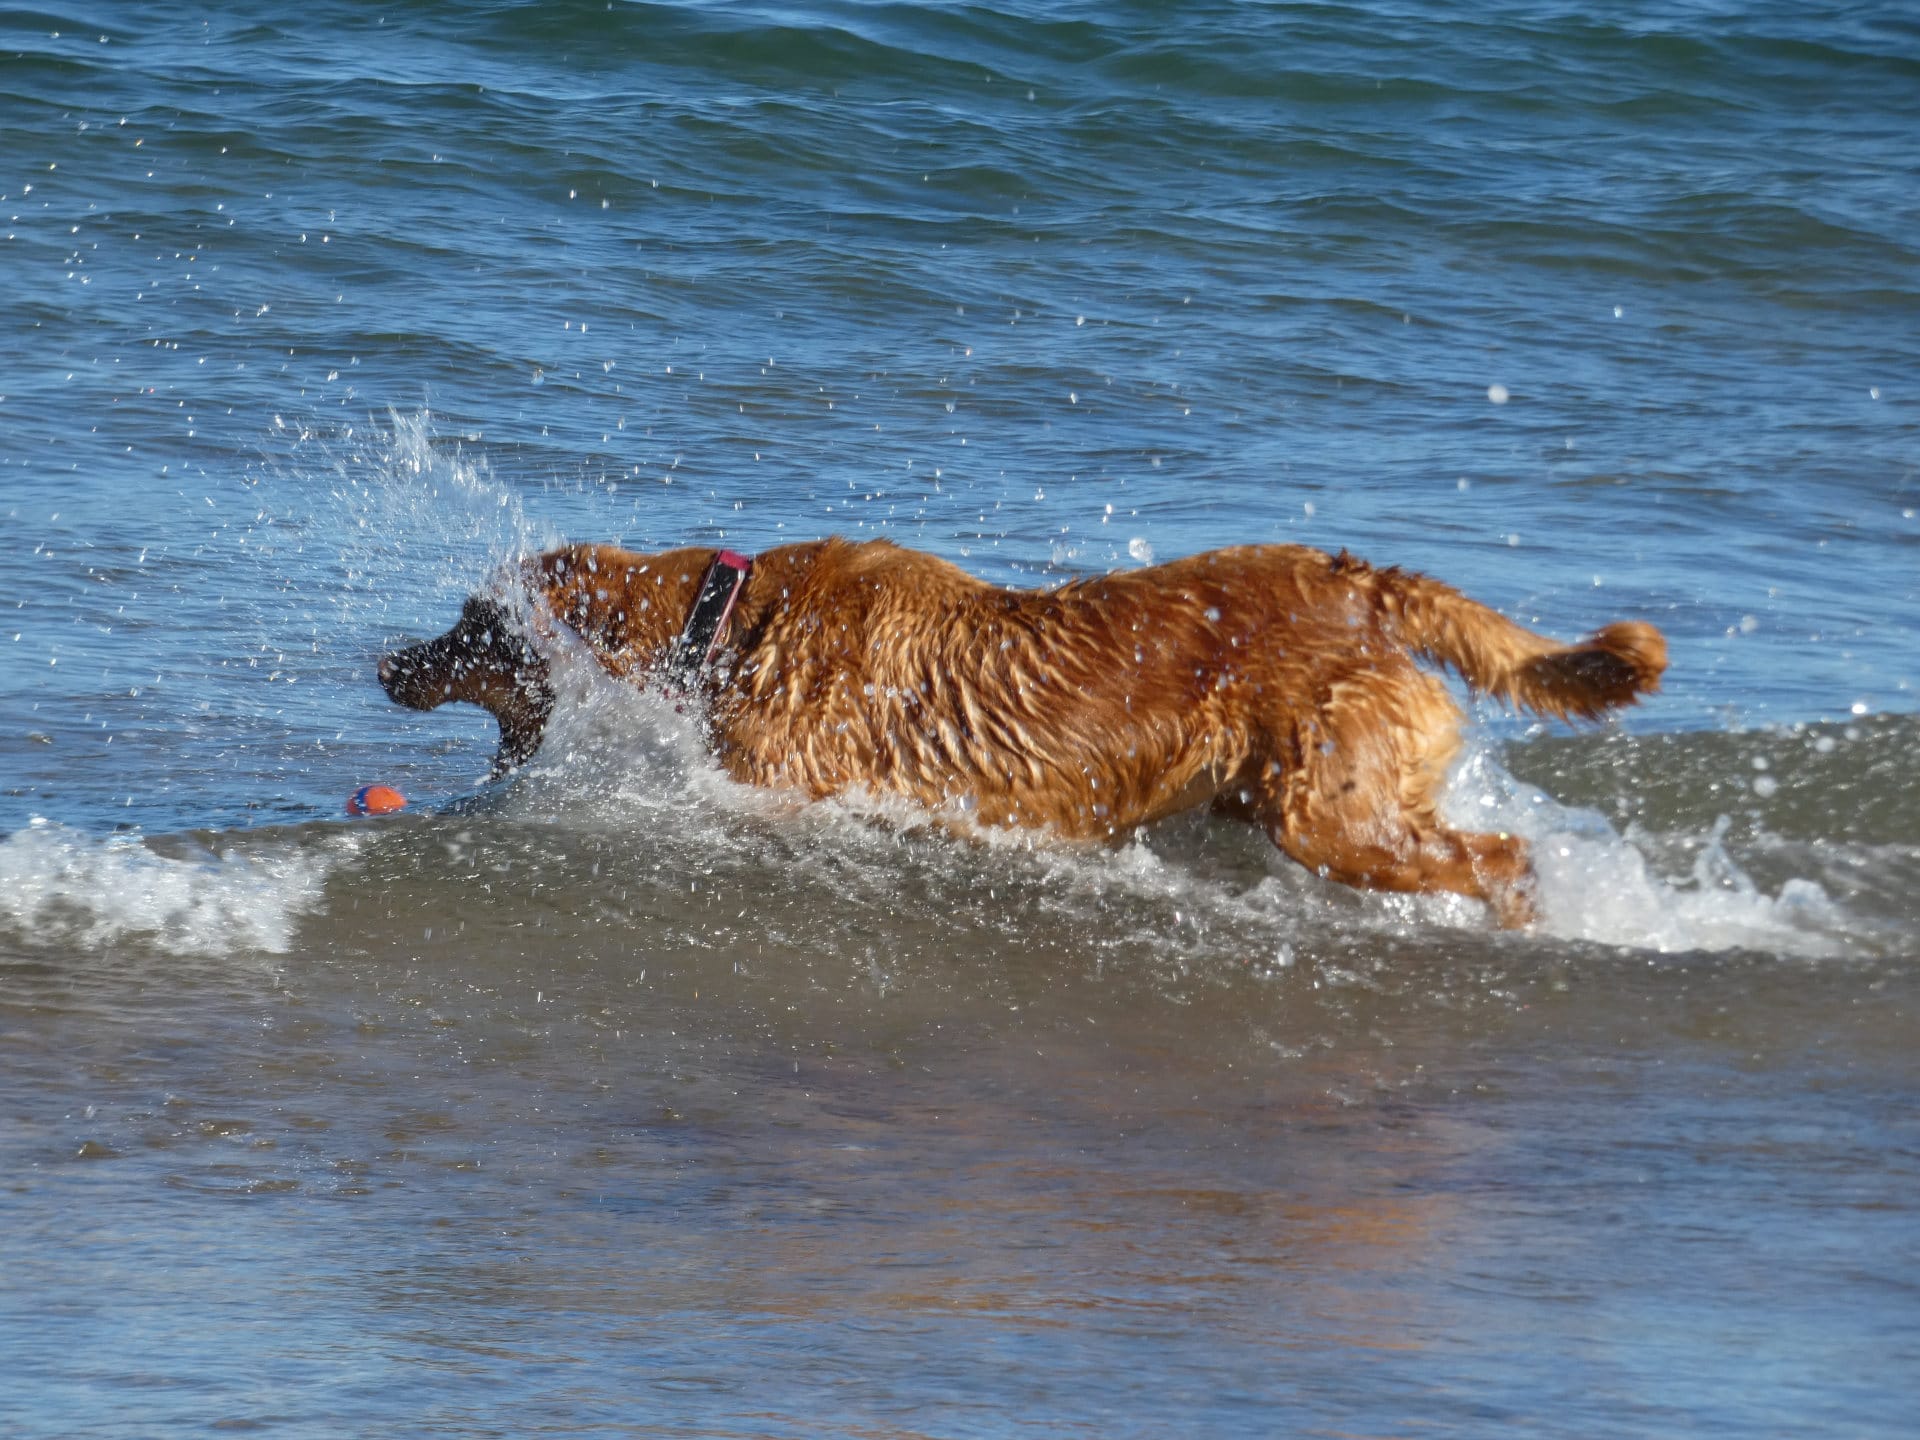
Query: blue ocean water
[{"x": 316, "y": 314}]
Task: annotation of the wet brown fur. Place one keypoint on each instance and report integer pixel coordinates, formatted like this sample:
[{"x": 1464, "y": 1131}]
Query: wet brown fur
[{"x": 1274, "y": 682}]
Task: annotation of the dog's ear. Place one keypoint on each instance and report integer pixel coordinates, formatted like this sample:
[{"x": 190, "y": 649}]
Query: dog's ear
[{"x": 556, "y": 582}]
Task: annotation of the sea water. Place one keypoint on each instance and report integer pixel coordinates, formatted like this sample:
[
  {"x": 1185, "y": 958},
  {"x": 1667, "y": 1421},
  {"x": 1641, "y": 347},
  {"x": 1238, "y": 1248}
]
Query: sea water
[{"x": 618, "y": 1099}]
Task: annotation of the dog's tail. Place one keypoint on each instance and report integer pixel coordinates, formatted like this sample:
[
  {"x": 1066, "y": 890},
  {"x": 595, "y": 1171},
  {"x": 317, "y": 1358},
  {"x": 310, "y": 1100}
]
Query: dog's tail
[{"x": 1612, "y": 667}]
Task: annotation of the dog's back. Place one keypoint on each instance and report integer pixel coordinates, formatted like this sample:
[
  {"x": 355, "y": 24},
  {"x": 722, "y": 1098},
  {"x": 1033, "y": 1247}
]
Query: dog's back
[{"x": 1103, "y": 703}]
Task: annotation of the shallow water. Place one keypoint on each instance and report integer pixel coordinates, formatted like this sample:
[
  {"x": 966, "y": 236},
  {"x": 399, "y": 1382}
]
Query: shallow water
[{"x": 617, "y": 1099}]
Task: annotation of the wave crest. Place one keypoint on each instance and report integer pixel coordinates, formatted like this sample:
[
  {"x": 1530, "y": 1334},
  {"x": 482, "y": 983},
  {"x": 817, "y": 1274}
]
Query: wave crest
[{"x": 59, "y": 885}]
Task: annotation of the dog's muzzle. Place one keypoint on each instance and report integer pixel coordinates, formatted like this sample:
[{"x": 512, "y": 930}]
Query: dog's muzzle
[
  {"x": 484, "y": 660},
  {"x": 408, "y": 676}
]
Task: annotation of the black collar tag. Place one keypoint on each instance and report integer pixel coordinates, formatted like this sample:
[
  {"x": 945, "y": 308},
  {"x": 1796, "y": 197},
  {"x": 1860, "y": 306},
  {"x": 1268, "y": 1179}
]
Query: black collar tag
[{"x": 707, "y": 620}]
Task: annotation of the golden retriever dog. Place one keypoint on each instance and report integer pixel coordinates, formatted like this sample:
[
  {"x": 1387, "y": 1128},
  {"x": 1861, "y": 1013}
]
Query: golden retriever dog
[{"x": 1276, "y": 683}]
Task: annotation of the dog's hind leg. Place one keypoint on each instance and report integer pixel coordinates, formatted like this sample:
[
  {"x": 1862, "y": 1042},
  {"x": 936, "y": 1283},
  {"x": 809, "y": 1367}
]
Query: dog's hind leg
[{"x": 1357, "y": 800}]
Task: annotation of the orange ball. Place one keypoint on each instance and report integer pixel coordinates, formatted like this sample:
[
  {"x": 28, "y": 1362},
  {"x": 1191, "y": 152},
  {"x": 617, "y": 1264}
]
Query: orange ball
[{"x": 375, "y": 800}]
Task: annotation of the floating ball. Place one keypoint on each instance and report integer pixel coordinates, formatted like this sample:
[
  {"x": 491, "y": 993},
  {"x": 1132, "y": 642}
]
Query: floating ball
[{"x": 375, "y": 800}]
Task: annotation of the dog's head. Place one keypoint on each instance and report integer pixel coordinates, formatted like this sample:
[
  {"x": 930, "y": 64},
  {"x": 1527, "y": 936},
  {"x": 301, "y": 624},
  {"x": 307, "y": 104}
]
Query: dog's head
[{"x": 485, "y": 660}]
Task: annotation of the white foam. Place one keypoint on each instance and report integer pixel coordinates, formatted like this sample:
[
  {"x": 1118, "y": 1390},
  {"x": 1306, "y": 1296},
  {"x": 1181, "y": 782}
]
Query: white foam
[
  {"x": 57, "y": 884},
  {"x": 1598, "y": 885}
]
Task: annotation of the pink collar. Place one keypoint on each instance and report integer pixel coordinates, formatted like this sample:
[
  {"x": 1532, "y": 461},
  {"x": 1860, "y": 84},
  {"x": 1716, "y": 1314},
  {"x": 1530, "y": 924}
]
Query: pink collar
[{"x": 707, "y": 618}]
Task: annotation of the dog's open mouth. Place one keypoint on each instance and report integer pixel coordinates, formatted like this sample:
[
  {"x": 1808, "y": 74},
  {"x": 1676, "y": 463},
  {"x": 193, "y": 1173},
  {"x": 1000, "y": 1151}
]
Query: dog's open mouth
[{"x": 486, "y": 661}]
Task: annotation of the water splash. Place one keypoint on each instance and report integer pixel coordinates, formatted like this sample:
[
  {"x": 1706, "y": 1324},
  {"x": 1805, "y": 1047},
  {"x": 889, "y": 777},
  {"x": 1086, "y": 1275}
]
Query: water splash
[
  {"x": 617, "y": 754},
  {"x": 417, "y": 519},
  {"x": 1598, "y": 885}
]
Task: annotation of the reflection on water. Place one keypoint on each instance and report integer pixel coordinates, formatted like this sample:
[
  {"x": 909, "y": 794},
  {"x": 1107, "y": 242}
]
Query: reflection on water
[{"x": 557, "y": 1172}]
